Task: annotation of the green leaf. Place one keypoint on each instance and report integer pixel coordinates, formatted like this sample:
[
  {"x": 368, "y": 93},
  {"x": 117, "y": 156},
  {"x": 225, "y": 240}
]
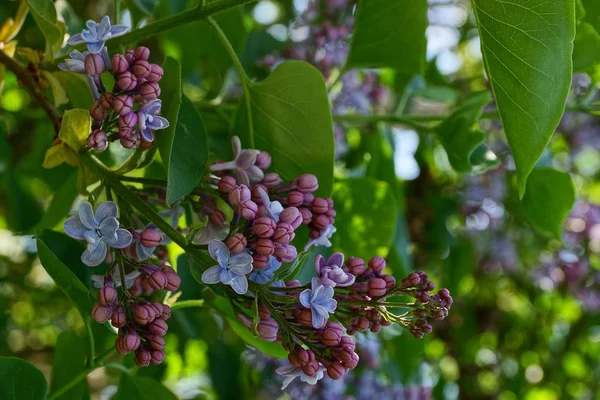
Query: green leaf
[
  {"x": 549, "y": 197},
  {"x": 291, "y": 119},
  {"x": 44, "y": 13},
  {"x": 64, "y": 278},
  {"x": 19, "y": 380},
  {"x": 462, "y": 141},
  {"x": 171, "y": 100},
  {"x": 61, "y": 202},
  {"x": 69, "y": 360},
  {"x": 586, "y": 50},
  {"x": 189, "y": 153},
  {"x": 142, "y": 388},
  {"x": 366, "y": 217},
  {"x": 75, "y": 128},
  {"x": 527, "y": 49},
  {"x": 390, "y": 33},
  {"x": 77, "y": 88}
]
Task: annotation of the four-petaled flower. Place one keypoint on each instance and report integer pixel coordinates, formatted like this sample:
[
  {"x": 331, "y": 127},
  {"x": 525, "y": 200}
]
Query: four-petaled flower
[
  {"x": 76, "y": 63},
  {"x": 243, "y": 164},
  {"x": 322, "y": 240},
  {"x": 116, "y": 277},
  {"x": 100, "y": 231},
  {"x": 319, "y": 298},
  {"x": 331, "y": 272},
  {"x": 231, "y": 270},
  {"x": 272, "y": 208},
  {"x": 149, "y": 120},
  {"x": 97, "y": 33},
  {"x": 265, "y": 275},
  {"x": 290, "y": 373}
]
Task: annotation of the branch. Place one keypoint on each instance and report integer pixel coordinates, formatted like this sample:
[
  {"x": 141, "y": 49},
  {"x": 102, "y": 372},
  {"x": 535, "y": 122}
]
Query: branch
[{"x": 28, "y": 80}]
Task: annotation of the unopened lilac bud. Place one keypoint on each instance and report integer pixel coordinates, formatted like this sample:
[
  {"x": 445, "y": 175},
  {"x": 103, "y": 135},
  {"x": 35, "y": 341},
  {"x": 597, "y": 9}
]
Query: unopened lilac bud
[
  {"x": 361, "y": 287},
  {"x": 263, "y": 160},
  {"x": 238, "y": 195},
  {"x": 151, "y": 237},
  {"x": 157, "y": 356},
  {"x": 248, "y": 210},
  {"x": 101, "y": 313},
  {"x": 130, "y": 141},
  {"x": 356, "y": 266},
  {"x": 304, "y": 356},
  {"x": 128, "y": 120},
  {"x": 352, "y": 362},
  {"x": 141, "y": 53},
  {"x": 295, "y": 198},
  {"x": 142, "y": 357},
  {"x": 166, "y": 314},
  {"x": 173, "y": 280},
  {"x": 123, "y": 104},
  {"x": 292, "y": 216},
  {"x": 390, "y": 281},
  {"x": 263, "y": 311},
  {"x": 377, "y": 264},
  {"x": 290, "y": 253},
  {"x": 305, "y": 317},
  {"x": 119, "y": 63},
  {"x": 264, "y": 246},
  {"x": 267, "y": 329},
  {"x": 107, "y": 295},
  {"x": 293, "y": 359},
  {"x": 141, "y": 68},
  {"x": 307, "y": 183},
  {"x": 141, "y": 315},
  {"x": 308, "y": 199},
  {"x": 149, "y": 90},
  {"x": 236, "y": 243},
  {"x": 293, "y": 283},
  {"x": 157, "y": 280},
  {"x": 158, "y": 327},
  {"x": 306, "y": 215},
  {"x": 156, "y": 73},
  {"x": 127, "y": 81},
  {"x": 377, "y": 287},
  {"x": 217, "y": 217},
  {"x": 129, "y": 56},
  {"x": 94, "y": 64},
  {"x": 260, "y": 261},
  {"x": 98, "y": 140},
  {"x": 336, "y": 370},
  {"x": 98, "y": 112},
  {"x": 128, "y": 343},
  {"x": 264, "y": 227},
  {"x": 319, "y": 205},
  {"x": 271, "y": 180},
  {"x": 284, "y": 233},
  {"x": 226, "y": 184},
  {"x": 118, "y": 318},
  {"x": 156, "y": 342},
  {"x": 320, "y": 221},
  {"x": 331, "y": 337},
  {"x": 256, "y": 193},
  {"x": 106, "y": 100},
  {"x": 310, "y": 368}
]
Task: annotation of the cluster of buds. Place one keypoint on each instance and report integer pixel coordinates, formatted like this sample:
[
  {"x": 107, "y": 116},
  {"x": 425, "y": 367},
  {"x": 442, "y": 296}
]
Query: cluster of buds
[{"x": 154, "y": 278}]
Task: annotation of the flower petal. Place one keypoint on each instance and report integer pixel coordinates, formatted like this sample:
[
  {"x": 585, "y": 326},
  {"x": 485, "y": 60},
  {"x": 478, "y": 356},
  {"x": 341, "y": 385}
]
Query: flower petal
[
  {"x": 105, "y": 210},
  {"x": 124, "y": 238},
  {"x": 96, "y": 256},
  {"x": 236, "y": 146},
  {"x": 336, "y": 259},
  {"x": 240, "y": 264},
  {"x": 319, "y": 319},
  {"x": 319, "y": 264},
  {"x": 305, "y": 298},
  {"x": 218, "y": 251},
  {"x": 150, "y": 107},
  {"x": 212, "y": 275},
  {"x": 148, "y": 134},
  {"x": 255, "y": 174},
  {"x": 95, "y": 47},
  {"x": 107, "y": 228},
  {"x": 74, "y": 228},
  {"x": 330, "y": 306},
  {"x": 103, "y": 27},
  {"x": 142, "y": 252},
  {"x": 75, "y": 39},
  {"x": 118, "y": 30},
  {"x": 227, "y": 276},
  {"x": 246, "y": 158},
  {"x": 239, "y": 284},
  {"x": 86, "y": 215},
  {"x": 158, "y": 122}
]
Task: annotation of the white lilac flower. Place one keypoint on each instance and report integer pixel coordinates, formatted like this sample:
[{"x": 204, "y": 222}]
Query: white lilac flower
[
  {"x": 290, "y": 373},
  {"x": 322, "y": 240},
  {"x": 100, "y": 231},
  {"x": 76, "y": 63},
  {"x": 97, "y": 34},
  {"x": 116, "y": 277},
  {"x": 149, "y": 120},
  {"x": 331, "y": 272},
  {"x": 272, "y": 208},
  {"x": 243, "y": 164},
  {"x": 231, "y": 269},
  {"x": 319, "y": 298}
]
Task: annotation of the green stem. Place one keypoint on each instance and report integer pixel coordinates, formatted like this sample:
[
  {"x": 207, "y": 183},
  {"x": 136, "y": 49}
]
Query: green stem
[
  {"x": 187, "y": 304},
  {"x": 117, "y": 11},
  {"x": 145, "y": 181},
  {"x": 88, "y": 327}
]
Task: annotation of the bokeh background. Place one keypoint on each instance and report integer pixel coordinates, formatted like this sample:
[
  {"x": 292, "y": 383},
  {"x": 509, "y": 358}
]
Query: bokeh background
[{"x": 525, "y": 323}]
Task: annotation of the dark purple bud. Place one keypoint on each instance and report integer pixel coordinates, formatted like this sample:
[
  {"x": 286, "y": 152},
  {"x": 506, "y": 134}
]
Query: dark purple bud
[
  {"x": 107, "y": 295},
  {"x": 141, "y": 53},
  {"x": 123, "y": 104},
  {"x": 264, "y": 227},
  {"x": 310, "y": 368},
  {"x": 304, "y": 356},
  {"x": 119, "y": 318},
  {"x": 158, "y": 327},
  {"x": 238, "y": 195},
  {"x": 256, "y": 191},
  {"x": 390, "y": 281},
  {"x": 166, "y": 312},
  {"x": 295, "y": 198},
  {"x": 127, "y": 343},
  {"x": 293, "y": 359},
  {"x": 106, "y": 100},
  {"x": 336, "y": 370},
  {"x": 307, "y": 183},
  {"x": 248, "y": 209},
  {"x": 127, "y": 81},
  {"x": 320, "y": 221},
  {"x": 97, "y": 112},
  {"x": 226, "y": 184},
  {"x": 331, "y": 337},
  {"x": 319, "y": 205},
  {"x": 308, "y": 199},
  {"x": 284, "y": 233},
  {"x": 128, "y": 120},
  {"x": 267, "y": 329},
  {"x": 141, "y": 68},
  {"x": 271, "y": 180},
  {"x": 173, "y": 280},
  {"x": 141, "y": 315},
  {"x": 377, "y": 287},
  {"x": 264, "y": 246},
  {"x": 260, "y": 261},
  {"x": 119, "y": 63},
  {"x": 156, "y": 342},
  {"x": 263, "y": 160},
  {"x": 217, "y": 217},
  {"x": 305, "y": 317},
  {"x": 98, "y": 140},
  {"x": 290, "y": 253},
  {"x": 263, "y": 311},
  {"x": 94, "y": 64},
  {"x": 101, "y": 313},
  {"x": 236, "y": 243},
  {"x": 142, "y": 357},
  {"x": 156, "y": 73},
  {"x": 306, "y": 215},
  {"x": 129, "y": 56},
  {"x": 151, "y": 237},
  {"x": 377, "y": 264},
  {"x": 129, "y": 141},
  {"x": 293, "y": 283},
  {"x": 356, "y": 266},
  {"x": 292, "y": 216},
  {"x": 352, "y": 362},
  {"x": 157, "y": 356},
  {"x": 157, "y": 280},
  {"x": 149, "y": 90}
]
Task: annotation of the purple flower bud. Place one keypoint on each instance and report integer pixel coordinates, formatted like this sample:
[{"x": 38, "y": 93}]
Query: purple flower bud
[
  {"x": 264, "y": 246},
  {"x": 157, "y": 280},
  {"x": 158, "y": 327},
  {"x": 226, "y": 184},
  {"x": 308, "y": 199},
  {"x": 319, "y": 205},
  {"x": 271, "y": 180},
  {"x": 157, "y": 356},
  {"x": 129, "y": 56},
  {"x": 149, "y": 90},
  {"x": 267, "y": 329},
  {"x": 264, "y": 227},
  {"x": 293, "y": 283},
  {"x": 141, "y": 315},
  {"x": 248, "y": 209},
  {"x": 350, "y": 362},
  {"x": 217, "y": 217},
  {"x": 306, "y": 215},
  {"x": 106, "y": 100},
  {"x": 263, "y": 160},
  {"x": 331, "y": 337},
  {"x": 304, "y": 356},
  {"x": 307, "y": 183},
  {"x": 156, "y": 73},
  {"x": 236, "y": 243},
  {"x": 336, "y": 371},
  {"x": 94, "y": 64},
  {"x": 166, "y": 314},
  {"x": 129, "y": 141},
  {"x": 119, "y": 63},
  {"x": 377, "y": 264},
  {"x": 156, "y": 342},
  {"x": 310, "y": 368},
  {"x": 97, "y": 112},
  {"x": 119, "y": 318},
  {"x": 238, "y": 195},
  {"x": 290, "y": 253},
  {"x": 292, "y": 216},
  {"x": 142, "y": 357},
  {"x": 107, "y": 295},
  {"x": 123, "y": 104},
  {"x": 173, "y": 280},
  {"x": 141, "y": 53},
  {"x": 151, "y": 237},
  {"x": 141, "y": 68},
  {"x": 356, "y": 266},
  {"x": 260, "y": 261},
  {"x": 263, "y": 311},
  {"x": 127, "y": 343},
  {"x": 98, "y": 140},
  {"x": 321, "y": 221},
  {"x": 284, "y": 233},
  {"x": 127, "y": 81},
  {"x": 390, "y": 281},
  {"x": 377, "y": 287},
  {"x": 128, "y": 120},
  {"x": 295, "y": 198},
  {"x": 101, "y": 313}
]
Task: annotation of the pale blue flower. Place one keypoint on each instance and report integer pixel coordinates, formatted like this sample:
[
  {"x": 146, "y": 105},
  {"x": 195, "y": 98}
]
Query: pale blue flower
[
  {"x": 231, "y": 270},
  {"x": 97, "y": 34},
  {"x": 76, "y": 63},
  {"x": 100, "y": 231},
  {"x": 149, "y": 120},
  {"x": 322, "y": 240},
  {"x": 116, "y": 278},
  {"x": 143, "y": 252},
  {"x": 272, "y": 208},
  {"x": 290, "y": 373},
  {"x": 331, "y": 272},
  {"x": 174, "y": 213},
  {"x": 265, "y": 275},
  {"x": 319, "y": 298}
]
